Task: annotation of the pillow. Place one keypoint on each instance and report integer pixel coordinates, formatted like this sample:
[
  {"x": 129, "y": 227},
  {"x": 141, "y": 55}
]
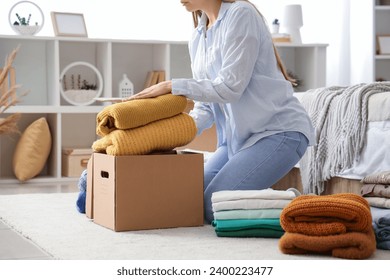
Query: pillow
[{"x": 32, "y": 150}]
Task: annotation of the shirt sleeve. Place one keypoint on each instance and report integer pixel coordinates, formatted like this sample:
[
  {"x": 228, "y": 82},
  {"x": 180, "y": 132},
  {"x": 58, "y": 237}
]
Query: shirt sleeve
[
  {"x": 238, "y": 53},
  {"x": 202, "y": 115}
]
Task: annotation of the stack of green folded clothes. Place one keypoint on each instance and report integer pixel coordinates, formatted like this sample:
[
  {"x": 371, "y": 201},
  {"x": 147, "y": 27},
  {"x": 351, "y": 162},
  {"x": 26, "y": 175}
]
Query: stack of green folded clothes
[{"x": 250, "y": 213}]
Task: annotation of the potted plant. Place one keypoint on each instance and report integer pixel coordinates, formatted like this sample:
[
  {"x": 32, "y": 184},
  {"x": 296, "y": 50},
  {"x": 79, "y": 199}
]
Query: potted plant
[{"x": 22, "y": 25}]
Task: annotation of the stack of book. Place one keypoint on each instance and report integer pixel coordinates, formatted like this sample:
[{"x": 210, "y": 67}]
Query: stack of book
[
  {"x": 154, "y": 77},
  {"x": 281, "y": 38}
]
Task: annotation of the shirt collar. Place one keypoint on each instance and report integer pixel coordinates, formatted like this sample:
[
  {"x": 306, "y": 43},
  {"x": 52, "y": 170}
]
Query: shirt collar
[{"x": 221, "y": 14}]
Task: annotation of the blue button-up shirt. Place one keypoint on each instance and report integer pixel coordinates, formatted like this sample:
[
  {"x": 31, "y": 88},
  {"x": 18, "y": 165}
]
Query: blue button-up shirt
[{"x": 236, "y": 82}]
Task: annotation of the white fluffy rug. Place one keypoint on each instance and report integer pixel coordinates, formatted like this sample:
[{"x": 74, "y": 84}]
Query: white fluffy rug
[{"x": 52, "y": 222}]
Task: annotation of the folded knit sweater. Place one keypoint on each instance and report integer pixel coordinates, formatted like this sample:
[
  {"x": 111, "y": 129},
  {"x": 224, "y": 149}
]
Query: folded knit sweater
[
  {"x": 138, "y": 112},
  {"x": 350, "y": 245},
  {"x": 327, "y": 214},
  {"x": 162, "y": 135}
]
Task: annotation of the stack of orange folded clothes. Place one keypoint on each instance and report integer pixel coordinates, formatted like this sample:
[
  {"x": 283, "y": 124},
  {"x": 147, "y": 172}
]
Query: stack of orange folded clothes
[{"x": 339, "y": 225}]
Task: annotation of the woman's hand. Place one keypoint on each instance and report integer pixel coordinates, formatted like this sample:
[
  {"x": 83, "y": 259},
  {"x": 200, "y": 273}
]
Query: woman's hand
[{"x": 154, "y": 91}]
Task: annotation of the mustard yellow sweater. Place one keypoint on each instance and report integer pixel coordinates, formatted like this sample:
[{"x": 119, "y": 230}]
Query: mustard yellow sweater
[
  {"x": 138, "y": 112},
  {"x": 161, "y": 135}
]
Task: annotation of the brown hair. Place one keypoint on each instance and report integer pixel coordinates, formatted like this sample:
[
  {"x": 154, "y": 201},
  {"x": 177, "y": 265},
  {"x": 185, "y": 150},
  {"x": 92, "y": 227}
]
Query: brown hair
[{"x": 197, "y": 14}]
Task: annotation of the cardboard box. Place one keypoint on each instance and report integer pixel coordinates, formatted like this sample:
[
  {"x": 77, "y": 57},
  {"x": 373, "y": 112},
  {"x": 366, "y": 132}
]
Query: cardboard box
[
  {"x": 145, "y": 192},
  {"x": 74, "y": 161}
]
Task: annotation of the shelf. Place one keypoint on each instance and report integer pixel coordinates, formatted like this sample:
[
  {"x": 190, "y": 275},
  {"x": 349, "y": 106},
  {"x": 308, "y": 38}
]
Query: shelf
[
  {"x": 382, "y": 56},
  {"x": 55, "y": 109},
  {"x": 382, "y": 8},
  {"x": 295, "y": 45}
]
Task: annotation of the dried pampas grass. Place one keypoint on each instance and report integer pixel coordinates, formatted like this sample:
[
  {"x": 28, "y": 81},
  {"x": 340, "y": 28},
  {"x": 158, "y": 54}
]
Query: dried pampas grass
[{"x": 8, "y": 98}]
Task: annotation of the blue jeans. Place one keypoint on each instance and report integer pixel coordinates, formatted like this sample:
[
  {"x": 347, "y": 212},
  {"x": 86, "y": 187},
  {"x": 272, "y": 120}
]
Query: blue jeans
[{"x": 255, "y": 168}]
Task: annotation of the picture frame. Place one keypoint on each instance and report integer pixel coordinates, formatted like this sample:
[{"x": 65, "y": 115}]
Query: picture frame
[
  {"x": 69, "y": 24},
  {"x": 383, "y": 44}
]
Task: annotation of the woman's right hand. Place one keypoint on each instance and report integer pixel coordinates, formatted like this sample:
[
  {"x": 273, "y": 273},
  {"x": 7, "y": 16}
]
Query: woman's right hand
[{"x": 154, "y": 91}]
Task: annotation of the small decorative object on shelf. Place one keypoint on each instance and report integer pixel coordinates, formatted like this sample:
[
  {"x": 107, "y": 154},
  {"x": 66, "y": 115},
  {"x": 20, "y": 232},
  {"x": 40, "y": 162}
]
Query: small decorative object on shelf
[
  {"x": 26, "y": 18},
  {"x": 275, "y": 26},
  {"x": 281, "y": 38},
  {"x": 126, "y": 87},
  {"x": 383, "y": 44},
  {"x": 81, "y": 91}
]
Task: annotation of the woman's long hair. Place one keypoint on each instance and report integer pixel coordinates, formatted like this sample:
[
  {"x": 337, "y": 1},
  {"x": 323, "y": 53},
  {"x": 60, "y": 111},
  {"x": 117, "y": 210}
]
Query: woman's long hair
[{"x": 197, "y": 14}]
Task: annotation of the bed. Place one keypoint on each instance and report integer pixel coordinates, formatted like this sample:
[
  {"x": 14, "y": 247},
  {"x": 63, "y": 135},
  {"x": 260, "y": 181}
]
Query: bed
[{"x": 373, "y": 156}]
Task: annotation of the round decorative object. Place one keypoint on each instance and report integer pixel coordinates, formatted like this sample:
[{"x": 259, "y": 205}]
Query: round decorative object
[
  {"x": 26, "y": 18},
  {"x": 81, "y": 82}
]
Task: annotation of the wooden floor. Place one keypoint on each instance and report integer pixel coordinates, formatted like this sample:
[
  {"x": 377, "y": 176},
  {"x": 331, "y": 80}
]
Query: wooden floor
[{"x": 335, "y": 185}]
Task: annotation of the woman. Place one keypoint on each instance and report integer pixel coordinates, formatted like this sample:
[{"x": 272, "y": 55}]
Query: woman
[{"x": 240, "y": 85}]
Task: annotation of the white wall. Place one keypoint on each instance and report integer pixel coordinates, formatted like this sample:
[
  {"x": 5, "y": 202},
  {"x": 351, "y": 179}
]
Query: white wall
[
  {"x": 324, "y": 22},
  {"x": 119, "y": 19}
]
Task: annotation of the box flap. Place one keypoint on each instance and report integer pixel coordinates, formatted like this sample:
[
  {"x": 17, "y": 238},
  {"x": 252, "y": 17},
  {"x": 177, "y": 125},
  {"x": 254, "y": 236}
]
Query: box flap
[
  {"x": 89, "y": 199},
  {"x": 104, "y": 168}
]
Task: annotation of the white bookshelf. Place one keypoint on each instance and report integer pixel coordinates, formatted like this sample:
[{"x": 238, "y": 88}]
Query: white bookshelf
[
  {"x": 41, "y": 60},
  {"x": 368, "y": 20},
  {"x": 307, "y": 61},
  {"x": 38, "y": 66}
]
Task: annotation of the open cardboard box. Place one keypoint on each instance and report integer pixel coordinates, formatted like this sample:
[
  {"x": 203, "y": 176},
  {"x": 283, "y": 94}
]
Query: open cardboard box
[{"x": 146, "y": 191}]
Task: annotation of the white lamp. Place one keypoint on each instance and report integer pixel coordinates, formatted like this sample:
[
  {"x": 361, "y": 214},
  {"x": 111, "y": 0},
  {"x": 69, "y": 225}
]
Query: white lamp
[{"x": 292, "y": 22}]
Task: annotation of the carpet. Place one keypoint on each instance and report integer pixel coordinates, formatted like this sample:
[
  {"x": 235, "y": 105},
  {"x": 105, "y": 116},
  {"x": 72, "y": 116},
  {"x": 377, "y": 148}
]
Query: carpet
[{"x": 52, "y": 222}]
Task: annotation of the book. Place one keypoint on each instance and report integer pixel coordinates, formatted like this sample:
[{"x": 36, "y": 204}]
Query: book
[
  {"x": 148, "y": 79},
  {"x": 161, "y": 76},
  {"x": 281, "y": 38},
  {"x": 109, "y": 99},
  {"x": 154, "y": 78}
]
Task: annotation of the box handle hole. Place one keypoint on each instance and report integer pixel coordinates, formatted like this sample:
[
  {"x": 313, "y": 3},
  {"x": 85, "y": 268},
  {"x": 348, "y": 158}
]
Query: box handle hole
[{"x": 104, "y": 174}]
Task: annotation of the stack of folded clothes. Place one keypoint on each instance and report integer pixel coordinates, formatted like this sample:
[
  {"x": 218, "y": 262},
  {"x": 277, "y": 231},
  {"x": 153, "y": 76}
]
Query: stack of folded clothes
[
  {"x": 250, "y": 213},
  {"x": 339, "y": 225},
  {"x": 376, "y": 190},
  {"x": 143, "y": 126}
]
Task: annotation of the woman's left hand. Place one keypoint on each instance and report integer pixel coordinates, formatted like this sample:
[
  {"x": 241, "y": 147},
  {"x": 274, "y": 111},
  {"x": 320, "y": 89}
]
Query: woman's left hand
[{"x": 154, "y": 91}]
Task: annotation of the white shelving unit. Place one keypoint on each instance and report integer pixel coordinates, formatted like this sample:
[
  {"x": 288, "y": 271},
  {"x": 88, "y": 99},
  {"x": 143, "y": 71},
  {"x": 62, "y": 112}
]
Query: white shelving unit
[
  {"x": 306, "y": 61},
  {"x": 41, "y": 60},
  {"x": 38, "y": 65},
  {"x": 369, "y": 19},
  {"x": 382, "y": 27}
]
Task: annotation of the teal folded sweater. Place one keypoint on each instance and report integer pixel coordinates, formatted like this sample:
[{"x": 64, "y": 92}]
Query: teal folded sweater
[{"x": 248, "y": 228}]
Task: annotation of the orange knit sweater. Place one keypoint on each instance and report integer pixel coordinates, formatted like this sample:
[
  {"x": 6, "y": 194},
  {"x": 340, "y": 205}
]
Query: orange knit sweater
[
  {"x": 350, "y": 245},
  {"x": 326, "y": 214}
]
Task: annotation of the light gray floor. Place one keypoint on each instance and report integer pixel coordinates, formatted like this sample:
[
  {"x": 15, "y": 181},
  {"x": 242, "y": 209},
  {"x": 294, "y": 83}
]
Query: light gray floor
[{"x": 13, "y": 246}]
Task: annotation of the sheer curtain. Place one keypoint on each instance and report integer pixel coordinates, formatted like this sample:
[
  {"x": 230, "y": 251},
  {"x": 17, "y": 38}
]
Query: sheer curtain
[{"x": 324, "y": 22}]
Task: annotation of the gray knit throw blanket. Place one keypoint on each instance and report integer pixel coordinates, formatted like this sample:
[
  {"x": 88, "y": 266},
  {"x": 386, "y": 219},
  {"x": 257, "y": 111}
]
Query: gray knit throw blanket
[{"x": 339, "y": 115}]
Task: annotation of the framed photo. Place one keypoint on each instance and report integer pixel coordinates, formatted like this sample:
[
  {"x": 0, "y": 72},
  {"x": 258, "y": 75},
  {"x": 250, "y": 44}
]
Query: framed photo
[
  {"x": 69, "y": 24},
  {"x": 383, "y": 44}
]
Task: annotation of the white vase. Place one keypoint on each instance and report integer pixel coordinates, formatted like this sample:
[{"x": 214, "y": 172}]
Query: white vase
[{"x": 275, "y": 29}]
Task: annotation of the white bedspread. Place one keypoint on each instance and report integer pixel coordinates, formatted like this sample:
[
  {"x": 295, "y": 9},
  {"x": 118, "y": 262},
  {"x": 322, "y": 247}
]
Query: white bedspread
[{"x": 375, "y": 155}]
